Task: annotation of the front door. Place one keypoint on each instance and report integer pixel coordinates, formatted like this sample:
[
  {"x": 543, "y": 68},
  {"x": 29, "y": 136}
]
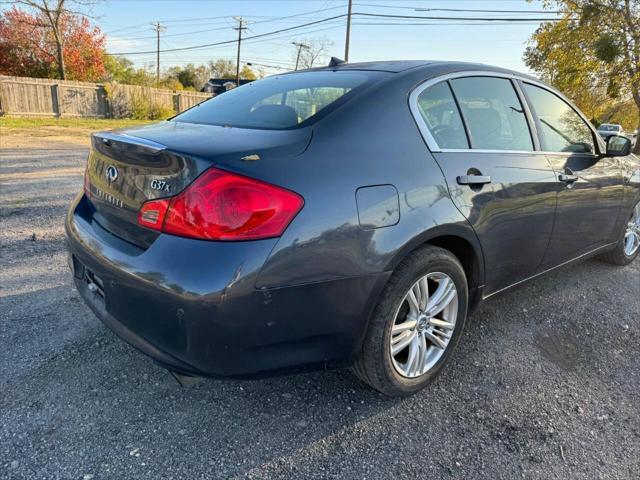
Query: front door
[
  {"x": 478, "y": 131},
  {"x": 590, "y": 186}
]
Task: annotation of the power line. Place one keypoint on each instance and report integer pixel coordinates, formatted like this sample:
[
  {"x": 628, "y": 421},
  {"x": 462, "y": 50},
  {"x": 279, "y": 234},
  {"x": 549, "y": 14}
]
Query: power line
[
  {"x": 282, "y": 36},
  {"x": 267, "y": 19},
  {"x": 251, "y": 64},
  {"x": 194, "y": 19},
  {"x": 492, "y": 20},
  {"x": 478, "y": 10},
  {"x": 437, "y": 24},
  {"x": 226, "y": 42},
  {"x": 182, "y": 34},
  {"x": 473, "y": 10},
  {"x": 485, "y": 19}
]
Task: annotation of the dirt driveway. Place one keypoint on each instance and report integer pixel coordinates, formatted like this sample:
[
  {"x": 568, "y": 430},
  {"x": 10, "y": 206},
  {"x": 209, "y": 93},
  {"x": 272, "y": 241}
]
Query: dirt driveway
[{"x": 545, "y": 383}]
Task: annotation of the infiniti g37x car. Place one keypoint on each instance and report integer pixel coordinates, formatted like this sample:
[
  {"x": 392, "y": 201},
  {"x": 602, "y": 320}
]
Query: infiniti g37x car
[{"x": 344, "y": 216}]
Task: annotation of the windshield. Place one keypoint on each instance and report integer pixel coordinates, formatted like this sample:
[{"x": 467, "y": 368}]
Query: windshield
[
  {"x": 609, "y": 128},
  {"x": 279, "y": 102}
]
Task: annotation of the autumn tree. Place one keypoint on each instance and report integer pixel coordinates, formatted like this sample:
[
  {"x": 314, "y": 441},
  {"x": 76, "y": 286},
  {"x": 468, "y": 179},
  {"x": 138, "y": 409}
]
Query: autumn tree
[
  {"x": 23, "y": 50},
  {"x": 29, "y": 47},
  {"x": 592, "y": 54},
  {"x": 53, "y": 16}
]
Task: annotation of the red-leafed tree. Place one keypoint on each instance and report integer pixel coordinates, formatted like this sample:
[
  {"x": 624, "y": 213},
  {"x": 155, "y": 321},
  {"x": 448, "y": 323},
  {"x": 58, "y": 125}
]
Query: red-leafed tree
[{"x": 30, "y": 47}]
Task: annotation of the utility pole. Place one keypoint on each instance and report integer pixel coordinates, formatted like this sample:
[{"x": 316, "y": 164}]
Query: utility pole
[
  {"x": 158, "y": 28},
  {"x": 300, "y": 47},
  {"x": 240, "y": 28},
  {"x": 346, "y": 43}
]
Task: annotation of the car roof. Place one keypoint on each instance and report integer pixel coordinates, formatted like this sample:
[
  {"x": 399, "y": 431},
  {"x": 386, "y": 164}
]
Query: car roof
[
  {"x": 437, "y": 67},
  {"x": 394, "y": 66}
]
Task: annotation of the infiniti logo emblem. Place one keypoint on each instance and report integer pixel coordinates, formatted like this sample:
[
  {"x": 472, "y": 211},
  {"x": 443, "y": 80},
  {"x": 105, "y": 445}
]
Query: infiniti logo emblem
[{"x": 111, "y": 173}]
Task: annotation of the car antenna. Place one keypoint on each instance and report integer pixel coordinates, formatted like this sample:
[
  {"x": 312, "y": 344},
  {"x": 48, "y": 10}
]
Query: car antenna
[{"x": 335, "y": 61}]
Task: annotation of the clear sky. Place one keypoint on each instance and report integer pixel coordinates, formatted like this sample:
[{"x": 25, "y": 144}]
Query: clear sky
[{"x": 128, "y": 26}]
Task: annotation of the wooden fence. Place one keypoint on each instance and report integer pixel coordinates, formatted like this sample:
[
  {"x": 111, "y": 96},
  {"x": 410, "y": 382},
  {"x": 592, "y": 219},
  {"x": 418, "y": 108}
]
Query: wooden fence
[{"x": 21, "y": 96}]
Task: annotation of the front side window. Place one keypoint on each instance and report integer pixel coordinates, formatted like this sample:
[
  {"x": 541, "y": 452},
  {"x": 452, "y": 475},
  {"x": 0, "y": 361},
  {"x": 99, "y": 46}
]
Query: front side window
[
  {"x": 563, "y": 130},
  {"x": 439, "y": 111},
  {"x": 278, "y": 102},
  {"x": 493, "y": 113}
]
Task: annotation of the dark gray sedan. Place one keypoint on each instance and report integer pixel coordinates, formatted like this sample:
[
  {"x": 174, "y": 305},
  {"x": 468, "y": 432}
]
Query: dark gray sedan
[{"x": 352, "y": 215}]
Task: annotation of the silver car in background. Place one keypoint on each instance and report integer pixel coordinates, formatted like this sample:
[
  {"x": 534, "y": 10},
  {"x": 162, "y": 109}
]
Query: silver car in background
[{"x": 608, "y": 129}]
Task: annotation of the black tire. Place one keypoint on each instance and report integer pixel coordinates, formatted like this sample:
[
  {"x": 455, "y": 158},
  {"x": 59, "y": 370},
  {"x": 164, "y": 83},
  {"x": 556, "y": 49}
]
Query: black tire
[
  {"x": 617, "y": 256},
  {"x": 374, "y": 366}
]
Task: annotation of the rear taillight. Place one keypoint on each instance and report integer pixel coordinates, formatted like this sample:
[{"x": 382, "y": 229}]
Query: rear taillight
[{"x": 220, "y": 205}]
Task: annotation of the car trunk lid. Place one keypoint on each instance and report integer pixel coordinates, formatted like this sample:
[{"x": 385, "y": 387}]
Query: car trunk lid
[{"x": 127, "y": 168}]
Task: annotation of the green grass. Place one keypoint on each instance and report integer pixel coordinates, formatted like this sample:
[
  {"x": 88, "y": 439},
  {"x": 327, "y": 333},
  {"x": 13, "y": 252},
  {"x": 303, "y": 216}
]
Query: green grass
[{"x": 71, "y": 123}]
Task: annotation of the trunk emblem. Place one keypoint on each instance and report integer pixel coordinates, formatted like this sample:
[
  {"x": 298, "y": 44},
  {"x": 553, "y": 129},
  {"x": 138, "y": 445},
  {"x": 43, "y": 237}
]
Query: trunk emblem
[
  {"x": 111, "y": 173},
  {"x": 161, "y": 185}
]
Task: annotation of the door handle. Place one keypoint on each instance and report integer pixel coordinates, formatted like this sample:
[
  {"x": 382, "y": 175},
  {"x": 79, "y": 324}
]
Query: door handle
[
  {"x": 567, "y": 178},
  {"x": 473, "y": 179}
]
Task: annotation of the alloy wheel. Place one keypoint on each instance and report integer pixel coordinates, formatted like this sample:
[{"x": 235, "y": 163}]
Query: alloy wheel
[
  {"x": 632, "y": 233},
  {"x": 424, "y": 324}
]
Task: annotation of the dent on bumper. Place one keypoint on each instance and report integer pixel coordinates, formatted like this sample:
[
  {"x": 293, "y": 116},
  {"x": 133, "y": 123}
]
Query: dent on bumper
[{"x": 192, "y": 305}]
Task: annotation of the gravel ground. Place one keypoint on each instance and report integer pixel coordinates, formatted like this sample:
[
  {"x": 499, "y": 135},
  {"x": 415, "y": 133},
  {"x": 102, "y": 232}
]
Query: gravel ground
[{"x": 545, "y": 383}]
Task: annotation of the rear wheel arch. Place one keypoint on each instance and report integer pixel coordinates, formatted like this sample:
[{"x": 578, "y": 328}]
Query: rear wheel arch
[
  {"x": 463, "y": 244},
  {"x": 466, "y": 254}
]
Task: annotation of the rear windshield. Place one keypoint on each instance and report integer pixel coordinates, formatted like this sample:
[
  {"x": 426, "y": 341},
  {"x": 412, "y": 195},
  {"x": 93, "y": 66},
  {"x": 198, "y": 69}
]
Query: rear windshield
[
  {"x": 279, "y": 102},
  {"x": 609, "y": 128}
]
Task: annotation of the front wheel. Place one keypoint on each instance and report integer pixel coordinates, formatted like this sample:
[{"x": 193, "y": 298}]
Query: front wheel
[
  {"x": 628, "y": 246},
  {"x": 416, "y": 324}
]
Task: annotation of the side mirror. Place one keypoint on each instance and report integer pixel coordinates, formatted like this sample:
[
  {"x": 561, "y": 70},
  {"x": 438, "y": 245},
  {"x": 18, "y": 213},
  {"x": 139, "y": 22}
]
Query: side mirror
[{"x": 618, "y": 146}]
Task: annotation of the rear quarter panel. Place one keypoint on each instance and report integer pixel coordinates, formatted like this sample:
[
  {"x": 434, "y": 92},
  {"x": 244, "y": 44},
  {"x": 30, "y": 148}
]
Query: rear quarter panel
[{"x": 372, "y": 140}]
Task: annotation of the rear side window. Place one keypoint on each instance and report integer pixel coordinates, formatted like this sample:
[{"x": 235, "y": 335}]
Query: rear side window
[
  {"x": 439, "y": 111},
  {"x": 278, "y": 102},
  {"x": 563, "y": 130},
  {"x": 493, "y": 113}
]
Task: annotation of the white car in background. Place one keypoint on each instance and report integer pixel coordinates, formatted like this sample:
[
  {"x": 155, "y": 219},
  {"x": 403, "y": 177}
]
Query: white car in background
[{"x": 607, "y": 129}]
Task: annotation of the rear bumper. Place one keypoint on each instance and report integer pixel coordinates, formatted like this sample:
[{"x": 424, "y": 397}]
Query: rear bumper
[{"x": 192, "y": 305}]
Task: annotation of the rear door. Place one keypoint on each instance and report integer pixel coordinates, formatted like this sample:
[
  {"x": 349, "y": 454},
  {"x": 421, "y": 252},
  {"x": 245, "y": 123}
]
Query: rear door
[
  {"x": 481, "y": 134},
  {"x": 590, "y": 186}
]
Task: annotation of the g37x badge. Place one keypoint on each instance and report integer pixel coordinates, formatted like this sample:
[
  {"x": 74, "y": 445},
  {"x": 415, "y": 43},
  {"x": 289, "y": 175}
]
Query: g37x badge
[{"x": 161, "y": 185}]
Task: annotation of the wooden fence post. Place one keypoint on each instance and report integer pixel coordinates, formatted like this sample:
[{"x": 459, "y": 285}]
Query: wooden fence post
[
  {"x": 55, "y": 99},
  {"x": 176, "y": 101}
]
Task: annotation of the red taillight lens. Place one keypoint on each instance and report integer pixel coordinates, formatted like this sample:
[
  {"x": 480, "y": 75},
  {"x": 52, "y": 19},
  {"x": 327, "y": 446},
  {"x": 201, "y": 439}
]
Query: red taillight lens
[
  {"x": 152, "y": 213},
  {"x": 224, "y": 206}
]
